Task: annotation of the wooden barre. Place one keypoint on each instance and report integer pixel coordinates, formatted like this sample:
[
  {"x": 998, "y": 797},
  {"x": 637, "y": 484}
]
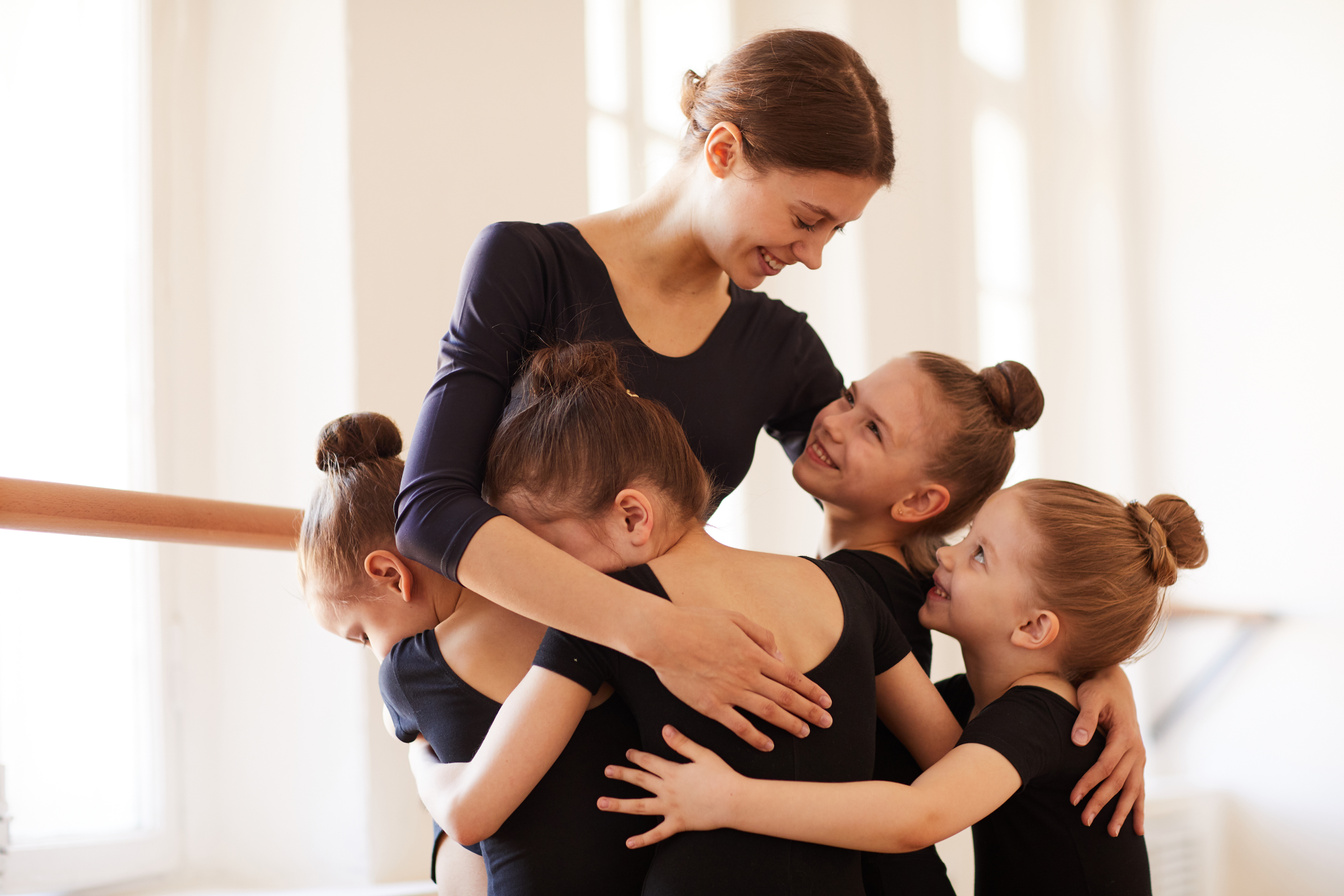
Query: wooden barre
[{"x": 112, "y": 513}]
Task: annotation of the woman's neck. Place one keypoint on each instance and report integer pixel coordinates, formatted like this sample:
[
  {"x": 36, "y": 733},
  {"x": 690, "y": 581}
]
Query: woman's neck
[{"x": 655, "y": 241}]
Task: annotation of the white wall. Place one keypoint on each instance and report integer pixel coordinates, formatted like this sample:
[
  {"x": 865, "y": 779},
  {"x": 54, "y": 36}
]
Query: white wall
[
  {"x": 1243, "y": 216},
  {"x": 322, "y": 168}
]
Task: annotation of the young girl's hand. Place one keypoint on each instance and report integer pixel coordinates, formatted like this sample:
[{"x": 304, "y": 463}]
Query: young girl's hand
[
  {"x": 1108, "y": 700},
  {"x": 689, "y": 795}
]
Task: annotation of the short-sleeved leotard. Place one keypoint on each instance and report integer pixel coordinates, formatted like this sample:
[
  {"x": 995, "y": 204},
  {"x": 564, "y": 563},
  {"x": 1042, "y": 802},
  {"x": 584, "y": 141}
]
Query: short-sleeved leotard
[
  {"x": 1035, "y": 843},
  {"x": 525, "y": 285},
  {"x": 557, "y": 841},
  {"x": 728, "y": 861},
  {"x": 919, "y": 873}
]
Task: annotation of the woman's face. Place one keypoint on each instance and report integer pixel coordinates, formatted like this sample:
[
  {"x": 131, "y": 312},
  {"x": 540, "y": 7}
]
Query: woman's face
[
  {"x": 869, "y": 448},
  {"x": 983, "y": 584},
  {"x": 761, "y": 222}
]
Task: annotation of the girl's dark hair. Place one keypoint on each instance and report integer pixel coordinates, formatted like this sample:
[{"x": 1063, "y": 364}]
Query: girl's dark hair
[
  {"x": 574, "y": 437},
  {"x": 351, "y": 511},
  {"x": 973, "y": 445},
  {"x": 803, "y": 100},
  {"x": 1103, "y": 565}
]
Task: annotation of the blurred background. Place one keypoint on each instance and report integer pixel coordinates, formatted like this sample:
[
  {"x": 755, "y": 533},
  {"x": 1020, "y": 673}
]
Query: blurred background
[{"x": 225, "y": 222}]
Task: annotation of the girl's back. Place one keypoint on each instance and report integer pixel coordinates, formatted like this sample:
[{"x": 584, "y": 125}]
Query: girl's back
[{"x": 839, "y": 632}]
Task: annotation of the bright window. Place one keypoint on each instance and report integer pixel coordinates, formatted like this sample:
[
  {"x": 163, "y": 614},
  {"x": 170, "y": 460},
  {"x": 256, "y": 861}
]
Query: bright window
[{"x": 81, "y": 722}]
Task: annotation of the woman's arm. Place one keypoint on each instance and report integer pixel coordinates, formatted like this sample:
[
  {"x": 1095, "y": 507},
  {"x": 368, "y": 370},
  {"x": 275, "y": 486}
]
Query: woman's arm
[
  {"x": 910, "y": 705},
  {"x": 470, "y": 800},
  {"x": 874, "y": 816},
  {"x": 715, "y": 661},
  {"x": 1108, "y": 700}
]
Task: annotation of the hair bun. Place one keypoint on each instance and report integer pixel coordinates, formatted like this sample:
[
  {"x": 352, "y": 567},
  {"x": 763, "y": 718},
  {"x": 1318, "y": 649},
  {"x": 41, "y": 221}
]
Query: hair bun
[
  {"x": 356, "y": 439},
  {"x": 1175, "y": 536},
  {"x": 1015, "y": 394},
  {"x": 691, "y": 85},
  {"x": 574, "y": 368}
]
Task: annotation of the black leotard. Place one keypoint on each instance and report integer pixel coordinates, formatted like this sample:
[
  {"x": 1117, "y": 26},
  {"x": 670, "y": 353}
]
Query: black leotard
[
  {"x": 919, "y": 873},
  {"x": 556, "y": 841},
  {"x": 1036, "y": 842},
  {"x": 727, "y": 861}
]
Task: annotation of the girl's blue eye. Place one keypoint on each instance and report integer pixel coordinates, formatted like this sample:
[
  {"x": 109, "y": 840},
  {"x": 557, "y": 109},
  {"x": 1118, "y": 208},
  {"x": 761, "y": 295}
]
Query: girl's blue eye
[{"x": 979, "y": 556}]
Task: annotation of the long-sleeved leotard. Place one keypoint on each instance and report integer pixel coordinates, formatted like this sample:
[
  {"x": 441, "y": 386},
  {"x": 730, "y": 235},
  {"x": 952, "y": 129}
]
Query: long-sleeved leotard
[{"x": 526, "y": 285}]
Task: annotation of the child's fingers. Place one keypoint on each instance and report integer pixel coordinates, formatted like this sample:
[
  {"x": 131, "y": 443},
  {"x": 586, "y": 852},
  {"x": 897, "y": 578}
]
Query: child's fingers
[
  {"x": 638, "y": 777},
  {"x": 649, "y": 762},
  {"x": 685, "y": 746},
  {"x": 661, "y": 832},
  {"x": 640, "y": 806}
]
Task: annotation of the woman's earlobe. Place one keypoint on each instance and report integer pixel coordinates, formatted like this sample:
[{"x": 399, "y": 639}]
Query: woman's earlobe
[{"x": 723, "y": 146}]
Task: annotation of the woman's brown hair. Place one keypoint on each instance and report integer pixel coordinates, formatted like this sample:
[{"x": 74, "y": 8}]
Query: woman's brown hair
[
  {"x": 1103, "y": 566},
  {"x": 574, "y": 437},
  {"x": 351, "y": 511},
  {"x": 803, "y": 100},
  {"x": 973, "y": 445}
]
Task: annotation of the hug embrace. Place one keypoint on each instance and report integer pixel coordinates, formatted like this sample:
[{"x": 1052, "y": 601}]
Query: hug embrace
[{"x": 570, "y": 648}]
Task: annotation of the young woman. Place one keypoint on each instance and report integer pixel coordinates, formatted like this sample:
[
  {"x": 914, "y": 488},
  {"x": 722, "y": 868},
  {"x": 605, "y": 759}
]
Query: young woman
[
  {"x": 1054, "y": 582},
  {"x": 608, "y": 476},
  {"x": 787, "y": 140},
  {"x": 448, "y": 659}
]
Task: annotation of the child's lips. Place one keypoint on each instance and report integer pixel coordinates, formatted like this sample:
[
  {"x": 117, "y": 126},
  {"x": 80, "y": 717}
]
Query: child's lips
[{"x": 819, "y": 454}]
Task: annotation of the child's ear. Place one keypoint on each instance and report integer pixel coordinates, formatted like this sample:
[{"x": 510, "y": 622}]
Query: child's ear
[
  {"x": 924, "y": 504},
  {"x": 1040, "y": 630},
  {"x": 634, "y": 511},
  {"x": 388, "y": 573}
]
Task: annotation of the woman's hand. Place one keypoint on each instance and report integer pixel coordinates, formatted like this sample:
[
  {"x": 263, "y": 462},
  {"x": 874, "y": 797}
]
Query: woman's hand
[
  {"x": 1107, "y": 700},
  {"x": 690, "y": 796},
  {"x": 718, "y": 661}
]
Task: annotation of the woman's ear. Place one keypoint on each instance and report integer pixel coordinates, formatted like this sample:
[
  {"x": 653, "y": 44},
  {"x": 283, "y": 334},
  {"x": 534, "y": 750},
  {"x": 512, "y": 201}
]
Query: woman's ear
[
  {"x": 924, "y": 504},
  {"x": 633, "y": 512},
  {"x": 389, "y": 574},
  {"x": 723, "y": 148},
  {"x": 1040, "y": 630}
]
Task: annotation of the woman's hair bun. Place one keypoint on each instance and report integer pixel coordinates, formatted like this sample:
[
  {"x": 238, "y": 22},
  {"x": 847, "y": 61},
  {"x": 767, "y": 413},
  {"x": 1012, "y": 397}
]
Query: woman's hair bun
[
  {"x": 690, "y": 89},
  {"x": 356, "y": 439},
  {"x": 1014, "y": 393}
]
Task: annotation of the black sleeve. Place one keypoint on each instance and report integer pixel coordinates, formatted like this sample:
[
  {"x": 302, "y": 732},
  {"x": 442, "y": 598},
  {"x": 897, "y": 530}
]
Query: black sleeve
[
  {"x": 1018, "y": 726},
  {"x": 500, "y": 305},
  {"x": 582, "y": 662},
  {"x": 889, "y": 644},
  {"x": 816, "y": 384}
]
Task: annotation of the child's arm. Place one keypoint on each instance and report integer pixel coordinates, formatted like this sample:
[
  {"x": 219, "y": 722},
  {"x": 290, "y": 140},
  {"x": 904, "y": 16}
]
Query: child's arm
[
  {"x": 470, "y": 800},
  {"x": 1107, "y": 699},
  {"x": 875, "y": 816},
  {"x": 910, "y": 705}
]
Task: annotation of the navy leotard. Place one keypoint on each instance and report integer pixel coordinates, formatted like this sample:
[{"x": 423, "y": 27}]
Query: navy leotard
[
  {"x": 524, "y": 285},
  {"x": 728, "y": 861},
  {"x": 557, "y": 842},
  {"x": 919, "y": 873}
]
